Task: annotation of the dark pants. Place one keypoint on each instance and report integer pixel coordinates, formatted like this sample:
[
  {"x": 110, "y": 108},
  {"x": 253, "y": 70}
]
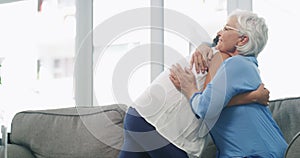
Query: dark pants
[{"x": 141, "y": 140}]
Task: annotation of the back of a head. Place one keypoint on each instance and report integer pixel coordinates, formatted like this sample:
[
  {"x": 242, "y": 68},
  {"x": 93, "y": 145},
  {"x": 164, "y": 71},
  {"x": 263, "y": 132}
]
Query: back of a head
[{"x": 254, "y": 28}]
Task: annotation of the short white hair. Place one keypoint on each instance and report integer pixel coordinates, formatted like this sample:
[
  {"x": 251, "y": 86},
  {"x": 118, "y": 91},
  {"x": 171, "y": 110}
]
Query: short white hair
[{"x": 255, "y": 28}]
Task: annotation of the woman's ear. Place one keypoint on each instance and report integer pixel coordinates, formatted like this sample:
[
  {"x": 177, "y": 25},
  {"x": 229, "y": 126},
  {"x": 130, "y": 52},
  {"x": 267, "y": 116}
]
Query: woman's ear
[{"x": 243, "y": 40}]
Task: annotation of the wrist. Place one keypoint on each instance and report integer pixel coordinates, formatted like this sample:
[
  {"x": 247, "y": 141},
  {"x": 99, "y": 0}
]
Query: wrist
[
  {"x": 254, "y": 97},
  {"x": 190, "y": 93}
]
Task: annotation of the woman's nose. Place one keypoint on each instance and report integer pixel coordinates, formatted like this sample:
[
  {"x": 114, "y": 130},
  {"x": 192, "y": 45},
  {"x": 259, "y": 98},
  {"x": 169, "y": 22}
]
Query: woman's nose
[{"x": 219, "y": 33}]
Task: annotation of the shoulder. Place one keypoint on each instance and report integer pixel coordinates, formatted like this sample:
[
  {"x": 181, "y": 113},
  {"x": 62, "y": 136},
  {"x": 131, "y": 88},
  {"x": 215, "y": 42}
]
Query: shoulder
[
  {"x": 241, "y": 60},
  {"x": 241, "y": 64},
  {"x": 235, "y": 59}
]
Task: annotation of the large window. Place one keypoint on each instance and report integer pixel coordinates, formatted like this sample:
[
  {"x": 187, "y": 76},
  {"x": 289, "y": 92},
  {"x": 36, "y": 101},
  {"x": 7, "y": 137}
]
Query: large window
[
  {"x": 37, "y": 48},
  {"x": 280, "y": 59}
]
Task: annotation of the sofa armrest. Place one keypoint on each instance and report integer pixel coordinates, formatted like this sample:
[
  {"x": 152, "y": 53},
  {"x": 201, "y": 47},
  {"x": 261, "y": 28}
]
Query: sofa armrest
[{"x": 293, "y": 150}]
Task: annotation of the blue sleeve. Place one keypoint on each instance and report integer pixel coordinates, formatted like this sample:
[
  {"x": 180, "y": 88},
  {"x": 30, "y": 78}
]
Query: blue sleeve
[{"x": 236, "y": 75}]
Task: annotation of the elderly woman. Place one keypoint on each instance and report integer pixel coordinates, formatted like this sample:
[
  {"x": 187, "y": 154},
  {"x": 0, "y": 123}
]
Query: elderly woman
[{"x": 237, "y": 131}]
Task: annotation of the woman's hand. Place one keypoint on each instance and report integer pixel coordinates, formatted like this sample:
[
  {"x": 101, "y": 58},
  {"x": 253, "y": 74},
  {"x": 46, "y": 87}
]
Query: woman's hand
[
  {"x": 184, "y": 80},
  {"x": 201, "y": 57},
  {"x": 174, "y": 79},
  {"x": 262, "y": 95}
]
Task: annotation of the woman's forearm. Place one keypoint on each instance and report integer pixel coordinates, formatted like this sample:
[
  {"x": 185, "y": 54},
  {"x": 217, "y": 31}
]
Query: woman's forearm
[
  {"x": 261, "y": 95},
  {"x": 244, "y": 98}
]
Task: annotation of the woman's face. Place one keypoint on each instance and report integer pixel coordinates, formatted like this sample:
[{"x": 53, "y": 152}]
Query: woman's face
[{"x": 229, "y": 37}]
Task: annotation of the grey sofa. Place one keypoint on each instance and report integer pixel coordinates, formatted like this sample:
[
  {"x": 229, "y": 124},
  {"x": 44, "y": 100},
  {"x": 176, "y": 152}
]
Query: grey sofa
[{"x": 96, "y": 132}]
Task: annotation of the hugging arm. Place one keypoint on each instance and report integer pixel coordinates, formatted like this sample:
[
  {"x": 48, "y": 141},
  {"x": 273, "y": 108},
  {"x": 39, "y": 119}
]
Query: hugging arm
[
  {"x": 260, "y": 95},
  {"x": 230, "y": 81}
]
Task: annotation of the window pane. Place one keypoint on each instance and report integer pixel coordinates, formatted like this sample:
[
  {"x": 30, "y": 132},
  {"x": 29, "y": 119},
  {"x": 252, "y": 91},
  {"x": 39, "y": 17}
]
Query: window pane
[
  {"x": 279, "y": 59},
  {"x": 108, "y": 57},
  {"x": 210, "y": 15},
  {"x": 38, "y": 52}
]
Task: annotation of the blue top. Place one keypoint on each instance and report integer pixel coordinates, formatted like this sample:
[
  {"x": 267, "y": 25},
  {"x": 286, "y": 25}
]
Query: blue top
[{"x": 238, "y": 131}]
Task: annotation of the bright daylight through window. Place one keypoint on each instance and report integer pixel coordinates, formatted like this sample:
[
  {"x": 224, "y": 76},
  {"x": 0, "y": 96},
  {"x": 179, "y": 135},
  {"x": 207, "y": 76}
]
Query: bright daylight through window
[{"x": 37, "y": 49}]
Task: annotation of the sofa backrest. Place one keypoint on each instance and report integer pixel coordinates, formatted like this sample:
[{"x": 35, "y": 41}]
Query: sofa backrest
[
  {"x": 286, "y": 113},
  {"x": 75, "y": 132}
]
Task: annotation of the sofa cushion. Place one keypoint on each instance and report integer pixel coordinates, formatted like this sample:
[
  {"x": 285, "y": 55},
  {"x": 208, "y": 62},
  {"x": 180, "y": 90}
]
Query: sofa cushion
[
  {"x": 15, "y": 151},
  {"x": 74, "y": 132},
  {"x": 286, "y": 113}
]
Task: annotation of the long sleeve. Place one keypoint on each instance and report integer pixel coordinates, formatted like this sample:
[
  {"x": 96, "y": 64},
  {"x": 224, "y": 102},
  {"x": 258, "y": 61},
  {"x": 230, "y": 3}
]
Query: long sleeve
[{"x": 236, "y": 75}]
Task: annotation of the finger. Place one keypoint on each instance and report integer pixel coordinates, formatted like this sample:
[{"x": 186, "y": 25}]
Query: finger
[
  {"x": 173, "y": 70},
  {"x": 188, "y": 71},
  {"x": 192, "y": 62},
  {"x": 172, "y": 80},
  {"x": 204, "y": 65},
  {"x": 267, "y": 91},
  {"x": 196, "y": 63},
  {"x": 200, "y": 63},
  {"x": 209, "y": 58},
  {"x": 175, "y": 82},
  {"x": 265, "y": 104},
  {"x": 261, "y": 86},
  {"x": 172, "y": 73},
  {"x": 179, "y": 68},
  {"x": 210, "y": 54},
  {"x": 176, "y": 71}
]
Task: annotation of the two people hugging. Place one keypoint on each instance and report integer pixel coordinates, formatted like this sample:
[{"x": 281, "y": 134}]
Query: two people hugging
[{"x": 181, "y": 108}]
